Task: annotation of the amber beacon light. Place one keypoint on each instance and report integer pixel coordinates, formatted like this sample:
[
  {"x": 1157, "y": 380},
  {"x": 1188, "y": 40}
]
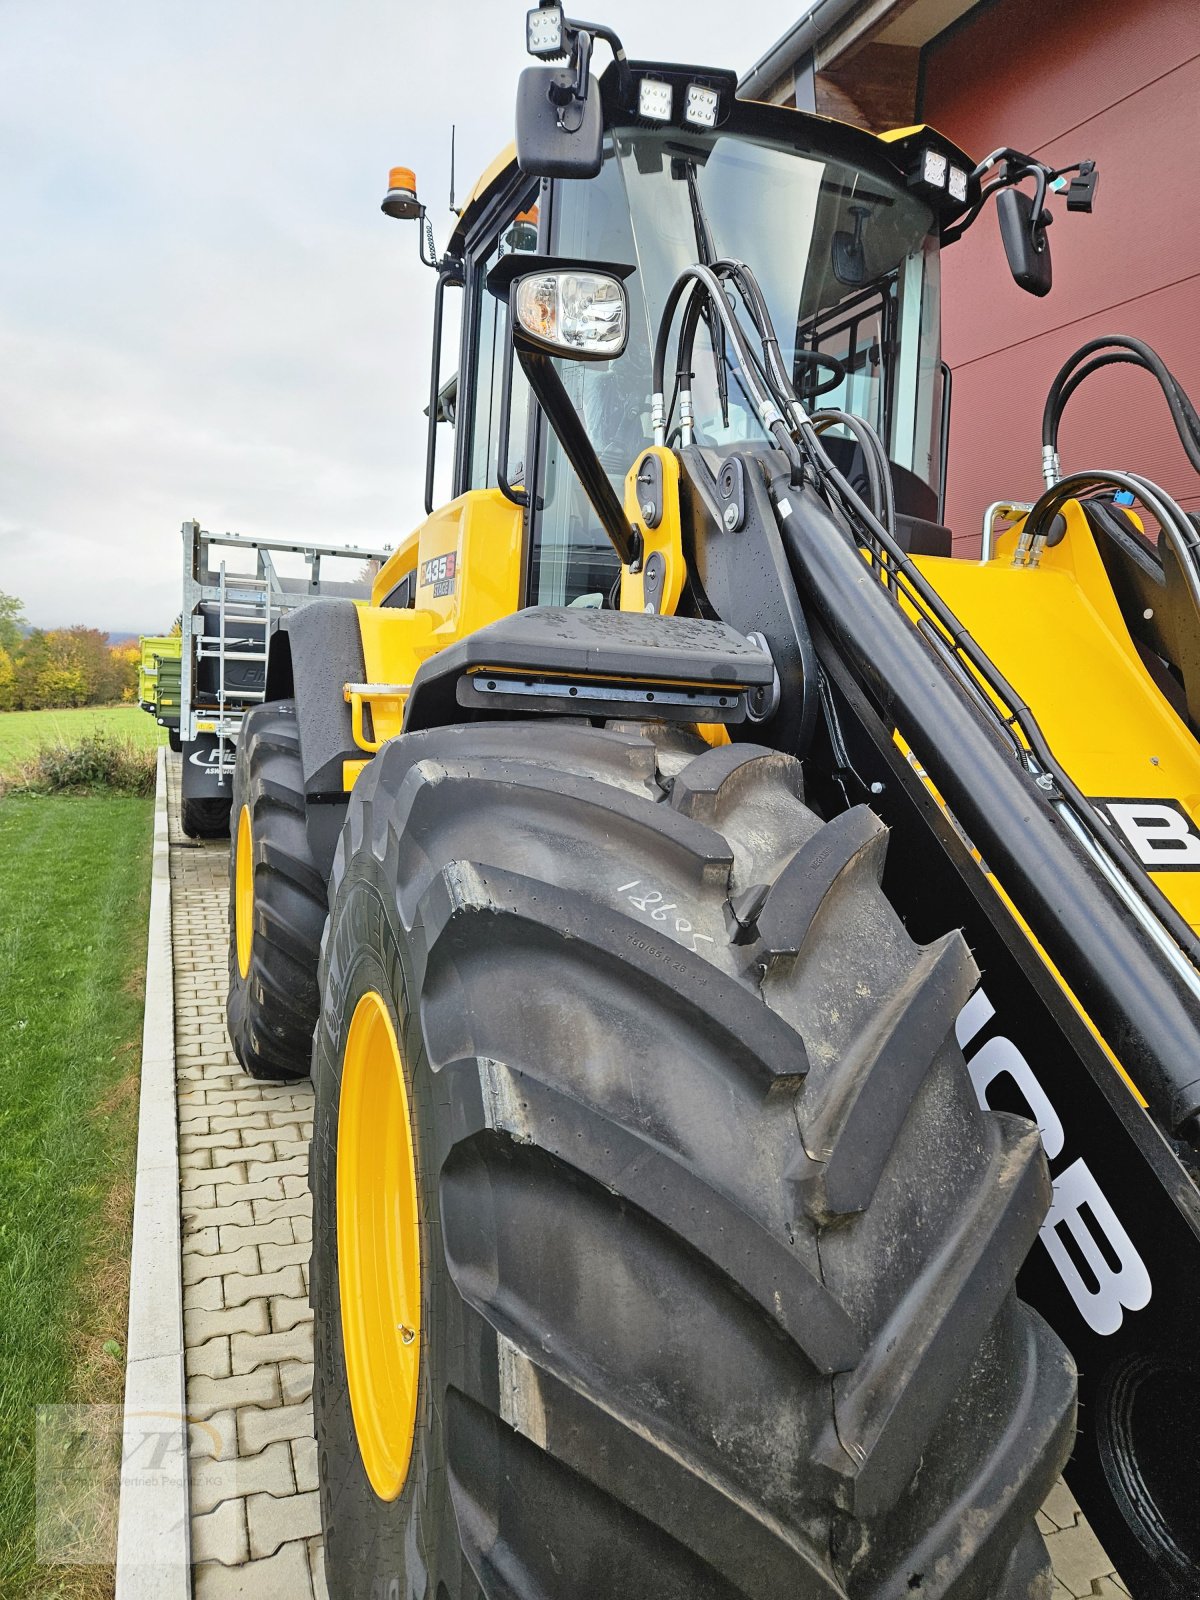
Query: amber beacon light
[{"x": 401, "y": 197}]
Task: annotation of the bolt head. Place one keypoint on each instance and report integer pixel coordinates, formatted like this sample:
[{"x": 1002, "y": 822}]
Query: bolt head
[
  {"x": 647, "y": 510},
  {"x": 730, "y": 517}
]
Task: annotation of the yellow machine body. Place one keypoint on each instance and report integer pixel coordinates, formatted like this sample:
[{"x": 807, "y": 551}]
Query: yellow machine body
[
  {"x": 467, "y": 560},
  {"x": 1056, "y": 632}
]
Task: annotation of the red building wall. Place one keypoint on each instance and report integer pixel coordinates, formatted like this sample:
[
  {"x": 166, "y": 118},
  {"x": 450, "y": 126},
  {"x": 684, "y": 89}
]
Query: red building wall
[{"x": 1117, "y": 81}]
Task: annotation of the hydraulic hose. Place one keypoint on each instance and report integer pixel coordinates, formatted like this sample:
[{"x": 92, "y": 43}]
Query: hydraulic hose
[{"x": 1113, "y": 350}]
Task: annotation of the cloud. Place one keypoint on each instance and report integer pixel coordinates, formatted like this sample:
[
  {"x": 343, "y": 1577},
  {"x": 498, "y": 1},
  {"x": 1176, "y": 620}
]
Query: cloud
[{"x": 202, "y": 311}]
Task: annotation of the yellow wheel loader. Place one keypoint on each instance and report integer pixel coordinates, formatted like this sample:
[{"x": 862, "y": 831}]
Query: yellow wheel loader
[{"x": 746, "y": 958}]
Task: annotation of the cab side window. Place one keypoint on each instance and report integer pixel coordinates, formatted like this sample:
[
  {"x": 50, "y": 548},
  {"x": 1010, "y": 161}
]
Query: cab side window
[{"x": 488, "y": 356}]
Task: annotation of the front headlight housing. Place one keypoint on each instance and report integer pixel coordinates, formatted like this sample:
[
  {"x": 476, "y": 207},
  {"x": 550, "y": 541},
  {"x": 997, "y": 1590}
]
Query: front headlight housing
[{"x": 572, "y": 313}]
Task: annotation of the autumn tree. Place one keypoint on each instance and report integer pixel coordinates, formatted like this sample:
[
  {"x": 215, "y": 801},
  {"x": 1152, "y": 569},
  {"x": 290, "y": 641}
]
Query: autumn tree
[
  {"x": 12, "y": 623},
  {"x": 8, "y": 681}
]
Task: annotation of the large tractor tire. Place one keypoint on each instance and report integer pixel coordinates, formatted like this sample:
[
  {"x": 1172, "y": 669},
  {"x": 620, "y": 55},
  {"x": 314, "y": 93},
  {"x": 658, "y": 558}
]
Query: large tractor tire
[
  {"x": 277, "y": 902},
  {"x": 205, "y": 819},
  {"x": 661, "y": 1247}
]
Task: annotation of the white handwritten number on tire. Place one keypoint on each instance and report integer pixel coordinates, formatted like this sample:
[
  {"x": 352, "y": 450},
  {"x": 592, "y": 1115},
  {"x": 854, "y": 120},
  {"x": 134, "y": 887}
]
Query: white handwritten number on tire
[{"x": 653, "y": 905}]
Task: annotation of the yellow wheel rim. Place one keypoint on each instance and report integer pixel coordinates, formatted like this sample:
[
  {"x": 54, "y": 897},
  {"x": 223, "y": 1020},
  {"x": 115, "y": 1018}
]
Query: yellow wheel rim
[
  {"x": 243, "y": 892},
  {"x": 379, "y": 1247}
]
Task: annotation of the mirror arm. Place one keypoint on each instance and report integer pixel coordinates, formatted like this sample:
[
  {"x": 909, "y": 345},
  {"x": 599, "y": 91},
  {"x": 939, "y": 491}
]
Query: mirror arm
[
  {"x": 519, "y": 497},
  {"x": 554, "y": 400},
  {"x": 597, "y": 30}
]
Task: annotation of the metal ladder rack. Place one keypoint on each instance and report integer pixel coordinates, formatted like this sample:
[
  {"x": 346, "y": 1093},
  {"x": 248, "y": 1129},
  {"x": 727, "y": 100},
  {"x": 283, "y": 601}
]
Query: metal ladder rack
[
  {"x": 253, "y": 595},
  {"x": 240, "y": 599}
]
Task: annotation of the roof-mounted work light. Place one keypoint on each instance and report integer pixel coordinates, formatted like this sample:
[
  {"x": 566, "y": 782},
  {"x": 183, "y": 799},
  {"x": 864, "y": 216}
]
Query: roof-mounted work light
[
  {"x": 701, "y": 106},
  {"x": 655, "y": 100},
  {"x": 933, "y": 169},
  {"x": 545, "y": 32}
]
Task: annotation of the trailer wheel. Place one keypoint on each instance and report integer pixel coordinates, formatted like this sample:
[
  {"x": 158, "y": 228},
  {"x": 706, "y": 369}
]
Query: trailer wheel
[
  {"x": 277, "y": 903},
  {"x": 205, "y": 819},
  {"x": 661, "y": 1247}
]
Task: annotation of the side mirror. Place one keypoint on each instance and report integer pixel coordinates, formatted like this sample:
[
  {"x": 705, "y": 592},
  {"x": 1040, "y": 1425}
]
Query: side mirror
[
  {"x": 560, "y": 132},
  {"x": 1025, "y": 242},
  {"x": 849, "y": 256}
]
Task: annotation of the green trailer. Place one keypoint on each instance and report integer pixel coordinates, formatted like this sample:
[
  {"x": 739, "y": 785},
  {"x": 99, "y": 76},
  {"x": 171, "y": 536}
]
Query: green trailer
[{"x": 159, "y": 673}]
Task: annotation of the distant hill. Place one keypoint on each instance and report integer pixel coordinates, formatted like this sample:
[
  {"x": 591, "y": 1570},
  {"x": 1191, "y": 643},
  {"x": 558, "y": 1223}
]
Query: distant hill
[{"x": 114, "y": 638}]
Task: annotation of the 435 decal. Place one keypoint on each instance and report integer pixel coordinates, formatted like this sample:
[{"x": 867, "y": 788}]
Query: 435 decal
[{"x": 441, "y": 572}]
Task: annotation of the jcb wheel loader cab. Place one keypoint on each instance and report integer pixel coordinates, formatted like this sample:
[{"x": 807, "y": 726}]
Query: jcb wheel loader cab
[
  {"x": 847, "y": 257},
  {"x": 658, "y": 1252}
]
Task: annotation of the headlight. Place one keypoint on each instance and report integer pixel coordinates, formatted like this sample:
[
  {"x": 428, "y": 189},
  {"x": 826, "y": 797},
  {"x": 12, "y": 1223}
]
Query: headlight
[{"x": 572, "y": 313}]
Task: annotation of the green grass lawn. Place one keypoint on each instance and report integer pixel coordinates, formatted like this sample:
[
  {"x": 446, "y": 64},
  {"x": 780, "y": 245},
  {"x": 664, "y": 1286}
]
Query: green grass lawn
[
  {"x": 74, "y": 890},
  {"x": 23, "y": 732}
]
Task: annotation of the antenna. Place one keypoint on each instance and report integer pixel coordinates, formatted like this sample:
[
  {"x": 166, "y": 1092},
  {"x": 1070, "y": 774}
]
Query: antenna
[{"x": 453, "y": 207}]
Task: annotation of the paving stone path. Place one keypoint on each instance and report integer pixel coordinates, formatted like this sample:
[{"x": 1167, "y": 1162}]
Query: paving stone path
[{"x": 247, "y": 1231}]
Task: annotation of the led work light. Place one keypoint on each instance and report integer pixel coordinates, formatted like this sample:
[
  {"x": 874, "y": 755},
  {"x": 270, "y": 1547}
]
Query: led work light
[
  {"x": 700, "y": 106},
  {"x": 655, "y": 99},
  {"x": 933, "y": 169},
  {"x": 544, "y": 32}
]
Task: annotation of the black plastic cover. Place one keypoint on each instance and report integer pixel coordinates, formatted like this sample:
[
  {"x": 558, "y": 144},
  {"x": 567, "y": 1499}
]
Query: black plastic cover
[
  {"x": 326, "y": 654},
  {"x": 569, "y": 641}
]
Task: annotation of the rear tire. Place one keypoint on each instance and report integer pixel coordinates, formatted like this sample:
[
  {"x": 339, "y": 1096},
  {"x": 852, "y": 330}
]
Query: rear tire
[
  {"x": 717, "y": 1245},
  {"x": 205, "y": 819},
  {"x": 271, "y": 1008}
]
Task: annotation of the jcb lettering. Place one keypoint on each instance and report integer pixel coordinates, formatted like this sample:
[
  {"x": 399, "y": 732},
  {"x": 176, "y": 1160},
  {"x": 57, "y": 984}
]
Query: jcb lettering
[
  {"x": 1160, "y": 832},
  {"x": 1123, "y": 1286},
  {"x": 1127, "y": 1285},
  {"x": 997, "y": 1055}
]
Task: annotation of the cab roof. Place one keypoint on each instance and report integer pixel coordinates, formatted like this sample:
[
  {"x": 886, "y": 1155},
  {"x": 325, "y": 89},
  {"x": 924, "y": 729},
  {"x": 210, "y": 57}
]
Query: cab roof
[{"x": 895, "y": 148}]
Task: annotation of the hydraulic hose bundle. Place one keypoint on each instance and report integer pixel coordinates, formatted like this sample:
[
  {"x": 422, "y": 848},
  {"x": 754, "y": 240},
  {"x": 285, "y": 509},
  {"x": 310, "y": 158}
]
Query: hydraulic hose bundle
[
  {"x": 797, "y": 433},
  {"x": 1114, "y": 350}
]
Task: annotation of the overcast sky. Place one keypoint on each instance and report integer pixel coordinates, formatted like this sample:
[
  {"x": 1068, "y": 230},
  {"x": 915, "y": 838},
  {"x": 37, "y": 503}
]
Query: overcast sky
[{"x": 202, "y": 310}]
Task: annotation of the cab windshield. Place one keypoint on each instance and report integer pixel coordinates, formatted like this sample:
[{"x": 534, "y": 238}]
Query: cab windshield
[{"x": 847, "y": 260}]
